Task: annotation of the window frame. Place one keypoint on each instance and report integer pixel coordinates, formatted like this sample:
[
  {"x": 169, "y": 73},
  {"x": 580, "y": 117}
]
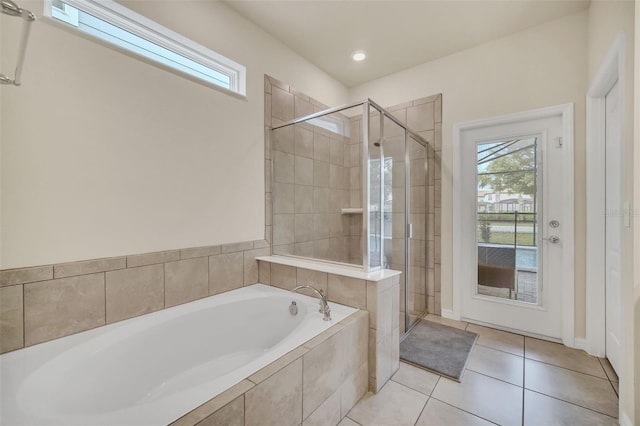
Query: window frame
[{"x": 143, "y": 27}]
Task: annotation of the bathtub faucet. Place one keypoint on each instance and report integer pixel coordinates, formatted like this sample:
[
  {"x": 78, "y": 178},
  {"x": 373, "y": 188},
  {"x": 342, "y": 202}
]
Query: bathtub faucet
[{"x": 324, "y": 305}]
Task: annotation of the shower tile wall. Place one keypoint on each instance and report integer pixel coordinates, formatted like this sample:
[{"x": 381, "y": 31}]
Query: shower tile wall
[
  {"x": 312, "y": 181},
  {"x": 424, "y": 116}
]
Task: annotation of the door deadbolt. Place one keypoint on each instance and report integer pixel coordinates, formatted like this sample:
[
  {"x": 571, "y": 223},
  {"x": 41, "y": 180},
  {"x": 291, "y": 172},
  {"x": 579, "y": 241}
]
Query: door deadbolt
[{"x": 554, "y": 223}]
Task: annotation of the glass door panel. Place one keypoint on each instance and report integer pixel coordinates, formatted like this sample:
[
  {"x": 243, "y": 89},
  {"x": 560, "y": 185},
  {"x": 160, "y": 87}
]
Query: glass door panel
[
  {"x": 374, "y": 196},
  {"x": 507, "y": 249},
  {"x": 394, "y": 216},
  {"x": 416, "y": 192}
]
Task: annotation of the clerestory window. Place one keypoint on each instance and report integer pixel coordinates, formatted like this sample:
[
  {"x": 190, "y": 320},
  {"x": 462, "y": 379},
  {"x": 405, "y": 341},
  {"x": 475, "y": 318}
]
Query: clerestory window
[{"x": 125, "y": 29}]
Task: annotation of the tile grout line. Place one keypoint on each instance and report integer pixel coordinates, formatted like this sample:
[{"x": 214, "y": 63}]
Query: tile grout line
[
  {"x": 347, "y": 416},
  {"x": 495, "y": 378},
  {"x": 496, "y": 349},
  {"x": 463, "y": 410},
  {"x": 572, "y": 403},
  {"x": 104, "y": 277},
  {"x": 568, "y": 369},
  {"x": 616, "y": 392},
  {"x": 602, "y": 361},
  {"x": 421, "y": 411},
  {"x": 410, "y": 388},
  {"x": 24, "y": 319}
]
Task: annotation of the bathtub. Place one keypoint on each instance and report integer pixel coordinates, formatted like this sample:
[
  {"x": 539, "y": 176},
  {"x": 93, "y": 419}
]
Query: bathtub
[{"x": 153, "y": 369}]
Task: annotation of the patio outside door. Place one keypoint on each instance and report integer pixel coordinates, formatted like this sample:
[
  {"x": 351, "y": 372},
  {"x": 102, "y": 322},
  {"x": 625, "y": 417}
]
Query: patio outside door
[{"x": 511, "y": 226}]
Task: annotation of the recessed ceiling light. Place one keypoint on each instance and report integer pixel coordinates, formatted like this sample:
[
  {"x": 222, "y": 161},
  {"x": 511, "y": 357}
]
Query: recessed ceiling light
[{"x": 359, "y": 56}]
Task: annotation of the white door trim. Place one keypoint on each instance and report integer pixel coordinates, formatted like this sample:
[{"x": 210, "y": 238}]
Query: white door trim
[
  {"x": 566, "y": 111},
  {"x": 610, "y": 71}
]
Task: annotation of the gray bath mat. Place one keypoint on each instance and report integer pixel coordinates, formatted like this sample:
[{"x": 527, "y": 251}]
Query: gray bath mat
[{"x": 439, "y": 348}]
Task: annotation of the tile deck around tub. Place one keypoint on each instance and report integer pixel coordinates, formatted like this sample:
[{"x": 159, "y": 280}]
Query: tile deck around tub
[{"x": 509, "y": 380}]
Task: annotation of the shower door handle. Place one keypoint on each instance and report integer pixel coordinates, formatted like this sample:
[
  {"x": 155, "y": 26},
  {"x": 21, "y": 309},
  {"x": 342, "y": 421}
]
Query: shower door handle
[{"x": 409, "y": 230}]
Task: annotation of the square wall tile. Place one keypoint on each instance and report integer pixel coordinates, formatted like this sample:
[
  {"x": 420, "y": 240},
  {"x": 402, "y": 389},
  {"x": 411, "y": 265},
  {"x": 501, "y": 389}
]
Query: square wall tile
[
  {"x": 282, "y": 197},
  {"x": 322, "y": 373},
  {"x": 303, "y": 199},
  {"x": 303, "y": 173},
  {"x": 133, "y": 292},
  {"x": 282, "y": 104},
  {"x": 354, "y": 388},
  {"x": 283, "y": 167},
  {"x": 64, "y": 306},
  {"x": 328, "y": 413},
  {"x": 321, "y": 174},
  {"x": 348, "y": 291},
  {"x": 278, "y": 400},
  {"x": 283, "y": 229},
  {"x": 303, "y": 228},
  {"x": 302, "y": 107},
  {"x": 264, "y": 272},
  {"x": 283, "y": 276},
  {"x": 303, "y": 145},
  {"x": 282, "y": 139},
  {"x": 421, "y": 117},
  {"x": 321, "y": 148},
  {"x": 251, "y": 270},
  {"x": 315, "y": 279},
  {"x": 186, "y": 280},
  {"x": 226, "y": 272}
]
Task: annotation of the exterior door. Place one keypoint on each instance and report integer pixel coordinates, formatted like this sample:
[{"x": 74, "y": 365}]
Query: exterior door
[
  {"x": 613, "y": 227},
  {"x": 511, "y": 225}
]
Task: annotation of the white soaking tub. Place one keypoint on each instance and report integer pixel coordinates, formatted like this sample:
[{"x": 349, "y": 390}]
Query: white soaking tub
[{"x": 155, "y": 368}]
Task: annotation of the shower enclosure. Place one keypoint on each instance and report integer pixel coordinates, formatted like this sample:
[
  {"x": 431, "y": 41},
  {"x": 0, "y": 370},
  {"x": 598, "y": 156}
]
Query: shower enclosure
[{"x": 349, "y": 186}]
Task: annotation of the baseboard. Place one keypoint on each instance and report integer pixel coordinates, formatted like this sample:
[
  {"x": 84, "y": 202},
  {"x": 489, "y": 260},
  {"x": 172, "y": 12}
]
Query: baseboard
[
  {"x": 580, "y": 343},
  {"x": 447, "y": 313},
  {"x": 625, "y": 420}
]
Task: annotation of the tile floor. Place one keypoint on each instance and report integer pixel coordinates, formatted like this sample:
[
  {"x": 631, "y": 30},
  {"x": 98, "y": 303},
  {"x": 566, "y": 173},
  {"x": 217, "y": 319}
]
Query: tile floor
[{"x": 510, "y": 380}]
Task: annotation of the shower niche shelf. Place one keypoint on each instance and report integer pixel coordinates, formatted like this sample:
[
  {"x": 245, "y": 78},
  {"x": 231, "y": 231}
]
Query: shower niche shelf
[{"x": 351, "y": 210}]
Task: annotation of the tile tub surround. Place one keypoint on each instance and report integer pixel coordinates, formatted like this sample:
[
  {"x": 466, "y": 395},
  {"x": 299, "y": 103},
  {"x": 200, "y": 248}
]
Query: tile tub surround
[
  {"x": 42, "y": 303},
  {"x": 377, "y": 292},
  {"x": 314, "y": 384}
]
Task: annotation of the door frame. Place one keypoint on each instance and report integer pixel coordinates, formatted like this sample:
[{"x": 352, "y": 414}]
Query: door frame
[
  {"x": 565, "y": 111},
  {"x": 610, "y": 71}
]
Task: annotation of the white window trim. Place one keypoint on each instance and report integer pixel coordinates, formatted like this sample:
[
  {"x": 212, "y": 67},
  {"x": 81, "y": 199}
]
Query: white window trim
[{"x": 120, "y": 16}]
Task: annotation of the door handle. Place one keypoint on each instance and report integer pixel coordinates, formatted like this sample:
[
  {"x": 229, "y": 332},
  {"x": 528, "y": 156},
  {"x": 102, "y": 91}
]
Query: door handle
[{"x": 553, "y": 239}]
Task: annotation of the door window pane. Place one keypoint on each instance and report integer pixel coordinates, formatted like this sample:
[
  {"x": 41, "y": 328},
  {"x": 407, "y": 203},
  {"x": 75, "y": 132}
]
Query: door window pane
[{"x": 507, "y": 218}]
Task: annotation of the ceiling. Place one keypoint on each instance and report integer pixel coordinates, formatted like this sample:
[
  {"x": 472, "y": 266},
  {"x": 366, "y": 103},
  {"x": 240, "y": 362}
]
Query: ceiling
[{"x": 395, "y": 34}]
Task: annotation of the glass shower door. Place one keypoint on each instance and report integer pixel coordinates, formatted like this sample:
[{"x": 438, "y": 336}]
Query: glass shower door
[
  {"x": 416, "y": 241},
  {"x": 394, "y": 217}
]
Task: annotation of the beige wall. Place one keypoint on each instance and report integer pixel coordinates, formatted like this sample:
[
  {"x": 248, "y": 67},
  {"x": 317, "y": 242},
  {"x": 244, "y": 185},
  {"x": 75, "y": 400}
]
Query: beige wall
[
  {"x": 104, "y": 155},
  {"x": 538, "y": 67},
  {"x": 606, "y": 20}
]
